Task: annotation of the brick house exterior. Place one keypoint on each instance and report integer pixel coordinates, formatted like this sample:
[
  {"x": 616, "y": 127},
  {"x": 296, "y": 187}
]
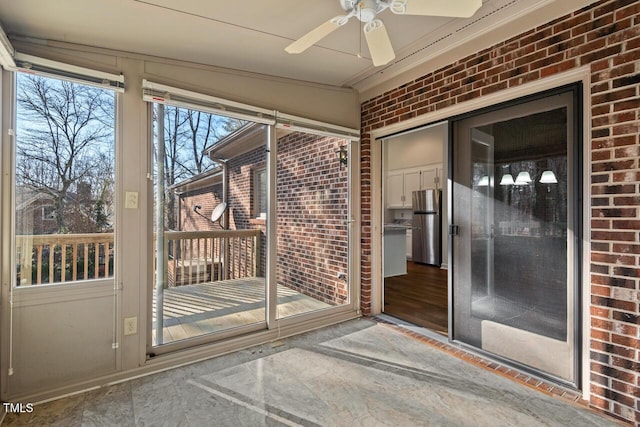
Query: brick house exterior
[
  {"x": 605, "y": 37},
  {"x": 312, "y": 211}
]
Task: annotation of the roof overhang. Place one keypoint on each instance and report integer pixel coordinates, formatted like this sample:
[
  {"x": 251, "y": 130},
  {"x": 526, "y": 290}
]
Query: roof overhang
[
  {"x": 203, "y": 180},
  {"x": 245, "y": 139}
]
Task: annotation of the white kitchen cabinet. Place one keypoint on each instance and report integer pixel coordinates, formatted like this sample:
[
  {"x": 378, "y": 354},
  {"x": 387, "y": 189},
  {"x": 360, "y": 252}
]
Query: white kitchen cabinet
[
  {"x": 402, "y": 183},
  {"x": 409, "y": 243},
  {"x": 411, "y": 184},
  {"x": 395, "y": 190},
  {"x": 430, "y": 177}
]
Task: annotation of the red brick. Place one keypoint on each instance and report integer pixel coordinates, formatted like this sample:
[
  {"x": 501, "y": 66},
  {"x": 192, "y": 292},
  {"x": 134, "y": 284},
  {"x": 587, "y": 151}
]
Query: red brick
[
  {"x": 606, "y": 35},
  {"x": 626, "y": 248}
]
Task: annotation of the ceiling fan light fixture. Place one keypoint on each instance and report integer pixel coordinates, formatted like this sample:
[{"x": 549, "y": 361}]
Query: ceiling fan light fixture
[{"x": 367, "y": 10}]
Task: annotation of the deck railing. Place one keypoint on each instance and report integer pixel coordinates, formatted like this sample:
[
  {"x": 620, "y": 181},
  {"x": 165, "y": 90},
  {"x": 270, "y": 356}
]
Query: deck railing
[
  {"x": 207, "y": 256},
  {"x": 191, "y": 257},
  {"x": 59, "y": 258}
]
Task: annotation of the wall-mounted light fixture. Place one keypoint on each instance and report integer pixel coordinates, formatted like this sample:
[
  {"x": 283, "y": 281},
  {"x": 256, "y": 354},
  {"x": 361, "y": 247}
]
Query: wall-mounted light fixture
[{"x": 342, "y": 155}]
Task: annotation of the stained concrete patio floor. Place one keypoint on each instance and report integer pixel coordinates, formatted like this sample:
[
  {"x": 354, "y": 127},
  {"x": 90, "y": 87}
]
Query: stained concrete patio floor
[{"x": 358, "y": 373}]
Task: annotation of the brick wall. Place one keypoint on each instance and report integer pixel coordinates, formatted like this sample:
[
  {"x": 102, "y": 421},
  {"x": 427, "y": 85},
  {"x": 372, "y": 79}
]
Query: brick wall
[
  {"x": 208, "y": 199},
  {"x": 605, "y": 37},
  {"x": 242, "y": 214},
  {"x": 312, "y": 209}
]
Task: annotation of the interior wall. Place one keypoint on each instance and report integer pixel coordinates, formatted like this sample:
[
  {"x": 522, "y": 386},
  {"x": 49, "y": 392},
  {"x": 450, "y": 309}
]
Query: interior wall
[
  {"x": 330, "y": 104},
  {"x": 418, "y": 148},
  {"x": 67, "y": 343}
]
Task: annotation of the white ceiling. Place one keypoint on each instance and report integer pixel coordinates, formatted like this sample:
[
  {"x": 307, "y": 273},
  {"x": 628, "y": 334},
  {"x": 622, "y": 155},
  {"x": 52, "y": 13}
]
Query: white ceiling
[{"x": 251, "y": 35}]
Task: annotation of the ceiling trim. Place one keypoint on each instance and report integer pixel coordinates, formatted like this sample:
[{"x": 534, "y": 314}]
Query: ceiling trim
[{"x": 505, "y": 28}]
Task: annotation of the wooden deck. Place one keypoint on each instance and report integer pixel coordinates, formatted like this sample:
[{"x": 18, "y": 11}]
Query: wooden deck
[{"x": 204, "y": 308}]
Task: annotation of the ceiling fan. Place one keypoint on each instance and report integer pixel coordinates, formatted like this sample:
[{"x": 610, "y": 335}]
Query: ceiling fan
[{"x": 374, "y": 30}]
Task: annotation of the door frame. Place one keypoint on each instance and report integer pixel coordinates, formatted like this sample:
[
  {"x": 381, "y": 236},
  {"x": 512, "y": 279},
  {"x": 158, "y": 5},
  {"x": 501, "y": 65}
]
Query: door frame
[{"x": 581, "y": 74}]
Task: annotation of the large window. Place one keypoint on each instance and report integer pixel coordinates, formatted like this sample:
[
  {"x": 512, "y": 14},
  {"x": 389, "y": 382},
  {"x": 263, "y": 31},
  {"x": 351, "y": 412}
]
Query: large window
[{"x": 64, "y": 181}]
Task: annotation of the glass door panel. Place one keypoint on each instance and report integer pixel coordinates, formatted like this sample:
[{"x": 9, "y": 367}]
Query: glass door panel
[
  {"x": 313, "y": 223},
  {"x": 514, "y": 269},
  {"x": 209, "y": 225}
]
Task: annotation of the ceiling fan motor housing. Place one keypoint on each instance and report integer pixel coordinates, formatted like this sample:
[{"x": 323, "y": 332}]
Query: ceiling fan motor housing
[{"x": 365, "y": 10}]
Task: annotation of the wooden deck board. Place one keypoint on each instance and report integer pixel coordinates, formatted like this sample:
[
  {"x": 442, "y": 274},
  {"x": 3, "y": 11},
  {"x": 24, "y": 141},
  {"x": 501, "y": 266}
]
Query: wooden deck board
[{"x": 203, "y": 308}]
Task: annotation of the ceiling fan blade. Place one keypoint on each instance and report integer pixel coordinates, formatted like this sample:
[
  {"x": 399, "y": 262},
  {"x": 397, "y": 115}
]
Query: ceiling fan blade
[
  {"x": 453, "y": 8},
  {"x": 378, "y": 41},
  {"x": 317, "y": 34}
]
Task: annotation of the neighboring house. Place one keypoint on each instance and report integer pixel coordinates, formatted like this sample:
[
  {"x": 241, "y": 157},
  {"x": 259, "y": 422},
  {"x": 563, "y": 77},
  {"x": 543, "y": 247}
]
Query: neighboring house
[
  {"x": 311, "y": 205},
  {"x": 36, "y": 213}
]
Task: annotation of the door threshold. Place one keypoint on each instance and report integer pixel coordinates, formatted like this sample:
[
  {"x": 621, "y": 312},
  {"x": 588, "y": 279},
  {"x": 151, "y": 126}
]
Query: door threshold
[
  {"x": 485, "y": 361},
  {"x": 426, "y": 332}
]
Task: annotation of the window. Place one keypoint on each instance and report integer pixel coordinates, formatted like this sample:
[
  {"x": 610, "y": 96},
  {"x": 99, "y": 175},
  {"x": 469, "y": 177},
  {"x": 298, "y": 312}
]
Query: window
[
  {"x": 47, "y": 213},
  {"x": 260, "y": 193},
  {"x": 64, "y": 181}
]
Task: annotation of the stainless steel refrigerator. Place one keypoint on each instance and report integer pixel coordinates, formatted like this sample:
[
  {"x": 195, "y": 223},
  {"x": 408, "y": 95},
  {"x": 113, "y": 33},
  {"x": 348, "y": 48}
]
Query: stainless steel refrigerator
[{"x": 426, "y": 245}]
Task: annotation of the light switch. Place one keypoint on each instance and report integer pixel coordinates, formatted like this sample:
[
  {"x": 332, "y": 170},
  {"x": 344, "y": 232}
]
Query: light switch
[{"x": 131, "y": 200}]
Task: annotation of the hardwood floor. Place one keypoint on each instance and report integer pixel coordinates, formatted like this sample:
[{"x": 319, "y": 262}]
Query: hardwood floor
[{"x": 419, "y": 297}]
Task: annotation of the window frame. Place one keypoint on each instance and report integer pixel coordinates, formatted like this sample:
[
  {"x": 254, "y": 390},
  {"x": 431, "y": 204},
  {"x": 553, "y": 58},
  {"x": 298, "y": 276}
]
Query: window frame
[{"x": 260, "y": 185}]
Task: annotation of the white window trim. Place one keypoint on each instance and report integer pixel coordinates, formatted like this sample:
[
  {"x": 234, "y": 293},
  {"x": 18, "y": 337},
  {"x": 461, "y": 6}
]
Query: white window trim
[
  {"x": 259, "y": 212},
  {"x": 46, "y": 67}
]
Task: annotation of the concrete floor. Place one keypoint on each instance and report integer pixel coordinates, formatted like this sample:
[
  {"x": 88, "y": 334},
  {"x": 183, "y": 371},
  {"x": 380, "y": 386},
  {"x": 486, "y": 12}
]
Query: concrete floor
[{"x": 358, "y": 373}]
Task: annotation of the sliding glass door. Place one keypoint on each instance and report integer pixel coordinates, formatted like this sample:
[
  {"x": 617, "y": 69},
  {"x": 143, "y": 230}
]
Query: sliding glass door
[
  {"x": 515, "y": 270},
  {"x": 252, "y": 221},
  {"x": 209, "y": 239}
]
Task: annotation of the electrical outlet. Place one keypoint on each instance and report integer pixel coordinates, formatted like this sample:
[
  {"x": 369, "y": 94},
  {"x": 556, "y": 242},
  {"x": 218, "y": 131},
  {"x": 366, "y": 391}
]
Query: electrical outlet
[
  {"x": 130, "y": 325},
  {"x": 131, "y": 200}
]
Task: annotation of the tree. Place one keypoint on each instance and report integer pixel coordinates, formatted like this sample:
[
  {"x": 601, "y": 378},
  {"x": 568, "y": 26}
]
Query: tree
[
  {"x": 187, "y": 136},
  {"x": 64, "y": 147}
]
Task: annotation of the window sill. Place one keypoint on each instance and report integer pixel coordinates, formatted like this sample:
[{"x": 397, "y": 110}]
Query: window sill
[{"x": 257, "y": 221}]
